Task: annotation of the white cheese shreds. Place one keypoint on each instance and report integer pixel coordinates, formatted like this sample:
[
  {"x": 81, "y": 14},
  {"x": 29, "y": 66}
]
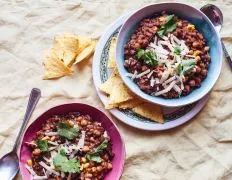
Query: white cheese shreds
[
  {"x": 105, "y": 134},
  {"x": 39, "y": 177},
  {"x": 31, "y": 143},
  {"x": 134, "y": 75},
  {"x": 62, "y": 174},
  {"x": 177, "y": 89},
  {"x": 191, "y": 56},
  {"x": 152, "y": 82},
  {"x": 52, "y": 148},
  {"x": 143, "y": 73},
  {"x": 53, "y": 143},
  {"x": 169, "y": 80},
  {"x": 51, "y": 133},
  {"x": 48, "y": 168},
  {"x": 164, "y": 38},
  {"x": 77, "y": 147},
  {"x": 30, "y": 170},
  {"x": 149, "y": 75},
  {"x": 167, "y": 89},
  {"x": 176, "y": 39},
  {"x": 164, "y": 76},
  {"x": 46, "y": 159},
  {"x": 167, "y": 44}
]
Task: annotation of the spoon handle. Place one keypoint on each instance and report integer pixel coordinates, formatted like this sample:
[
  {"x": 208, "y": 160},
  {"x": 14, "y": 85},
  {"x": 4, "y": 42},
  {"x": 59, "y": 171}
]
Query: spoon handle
[
  {"x": 228, "y": 58},
  {"x": 33, "y": 100}
]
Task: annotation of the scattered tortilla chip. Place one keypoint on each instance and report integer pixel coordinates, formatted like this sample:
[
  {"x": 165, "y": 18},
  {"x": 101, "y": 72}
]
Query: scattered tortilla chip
[
  {"x": 107, "y": 86},
  {"x": 66, "y": 47},
  {"x": 54, "y": 67},
  {"x": 86, "y": 53},
  {"x": 83, "y": 42},
  {"x": 150, "y": 111},
  {"x": 130, "y": 104},
  {"x": 112, "y": 58},
  {"x": 120, "y": 93}
]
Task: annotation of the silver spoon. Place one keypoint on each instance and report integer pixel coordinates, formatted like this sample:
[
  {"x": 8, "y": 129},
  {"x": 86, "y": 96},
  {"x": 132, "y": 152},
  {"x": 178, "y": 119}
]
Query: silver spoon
[
  {"x": 9, "y": 163},
  {"x": 216, "y": 17}
]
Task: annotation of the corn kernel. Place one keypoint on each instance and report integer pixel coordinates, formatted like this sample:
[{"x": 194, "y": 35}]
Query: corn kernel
[
  {"x": 83, "y": 160},
  {"x": 198, "y": 58},
  {"x": 45, "y": 138},
  {"x": 86, "y": 165},
  {"x": 196, "y": 53},
  {"x": 71, "y": 123},
  {"x": 29, "y": 162},
  {"x": 53, "y": 138},
  {"x": 190, "y": 27}
]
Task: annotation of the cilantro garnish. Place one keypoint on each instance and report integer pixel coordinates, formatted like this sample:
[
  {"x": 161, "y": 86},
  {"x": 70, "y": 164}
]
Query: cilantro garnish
[
  {"x": 61, "y": 162},
  {"x": 168, "y": 27},
  {"x": 177, "y": 50},
  {"x": 43, "y": 145},
  {"x": 66, "y": 130},
  {"x": 185, "y": 66},
  {"x": 148, "y": 57},
  {"x": 95, "y": 155}
]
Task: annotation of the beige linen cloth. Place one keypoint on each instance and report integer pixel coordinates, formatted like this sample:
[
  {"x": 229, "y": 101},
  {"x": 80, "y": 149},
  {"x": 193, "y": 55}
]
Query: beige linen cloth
[{"x": 198, "y": 150}]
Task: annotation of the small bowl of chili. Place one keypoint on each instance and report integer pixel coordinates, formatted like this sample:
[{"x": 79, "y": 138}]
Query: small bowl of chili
[
  {"x": 72, "y": 141},
  {"x": 169, "y": 54}
]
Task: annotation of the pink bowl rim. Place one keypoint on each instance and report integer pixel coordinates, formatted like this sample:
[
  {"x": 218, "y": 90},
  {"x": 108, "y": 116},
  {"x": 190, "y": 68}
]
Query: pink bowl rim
[{"x": 122, "y": 159}]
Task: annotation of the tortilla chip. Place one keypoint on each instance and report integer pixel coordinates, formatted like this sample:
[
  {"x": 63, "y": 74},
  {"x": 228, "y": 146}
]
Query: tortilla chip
[
  {"x": 86, "y": 53},
  {"x": 54, "y": 67},
  {"x": 83, "y": 42},
  {"x": 107, "y": 86},
  {"x": 111, "y": 106},
  {"x": 130, "y": 104},
  {"x": 150, "y": 111},
  {"x": 120, "y": 93},
  {"x": 66, "y": 47},
  {"x": 112, "y": 51}
]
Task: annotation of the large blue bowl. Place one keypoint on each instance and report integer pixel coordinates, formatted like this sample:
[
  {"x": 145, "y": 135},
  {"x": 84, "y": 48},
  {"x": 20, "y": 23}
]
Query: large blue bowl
[{"x": 203, "y": 25}]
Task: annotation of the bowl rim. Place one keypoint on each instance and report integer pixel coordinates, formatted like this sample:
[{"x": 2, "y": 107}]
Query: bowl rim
[
  {"x": 123, "y": 149},
  {"x": 163, "y": 101}
]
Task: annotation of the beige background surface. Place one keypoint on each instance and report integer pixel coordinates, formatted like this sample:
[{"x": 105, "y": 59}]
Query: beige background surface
[{"x": 199, "y": 150}]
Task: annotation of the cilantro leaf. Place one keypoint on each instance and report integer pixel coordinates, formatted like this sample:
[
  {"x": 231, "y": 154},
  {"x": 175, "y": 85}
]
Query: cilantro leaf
[
  {"x": 148, "y": 57},
  {"x": 95, "y": 158},
  {"x": 140, "y": 53},
  {"x": 62, "y": 163},
  {"x": 95, "y": 155},
  {"x": 43, "y": 145},
  {"x": 177, "y": 50},
  {"x": 185, "y": 66},
  {"x": 67, "y": 131},
  {"x": 168, "y": 27}
]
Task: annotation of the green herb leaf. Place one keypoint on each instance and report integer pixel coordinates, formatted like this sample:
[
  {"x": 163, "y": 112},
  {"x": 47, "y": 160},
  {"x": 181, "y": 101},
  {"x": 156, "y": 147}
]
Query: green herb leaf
[
  {"x": 185, "y": 66},
  {"x": 95, "y": 158},
  {"x": 177, "y": 50},
  {"x": 95, "y": 155},
  {"x": 67, "y": 131},
  {"x": 62, "y": 163},
  {"x": 147, "y": 57},
  {"x": 62, "y": 152},
  {"x": 168, "y": 27},
  {"x": 139, "y": 53},
  {"x": 43, "y": 145}
]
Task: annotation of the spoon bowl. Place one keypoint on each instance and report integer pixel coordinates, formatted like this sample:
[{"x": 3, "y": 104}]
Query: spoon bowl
[
  {"x": 216, "y": 17},
  {"x": 214, "y": 14},
  {"x": 9, "y": 166}
]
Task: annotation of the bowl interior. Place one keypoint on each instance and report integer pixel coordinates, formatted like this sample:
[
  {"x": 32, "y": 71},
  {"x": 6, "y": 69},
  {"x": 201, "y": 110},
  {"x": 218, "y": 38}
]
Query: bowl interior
[
  {"x": 203, "y": 25},
  {"x": 118, "y": 145}
]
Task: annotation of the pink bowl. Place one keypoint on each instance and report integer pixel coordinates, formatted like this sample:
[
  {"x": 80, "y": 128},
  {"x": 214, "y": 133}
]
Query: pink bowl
[{"x": 118, "y": 144}]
